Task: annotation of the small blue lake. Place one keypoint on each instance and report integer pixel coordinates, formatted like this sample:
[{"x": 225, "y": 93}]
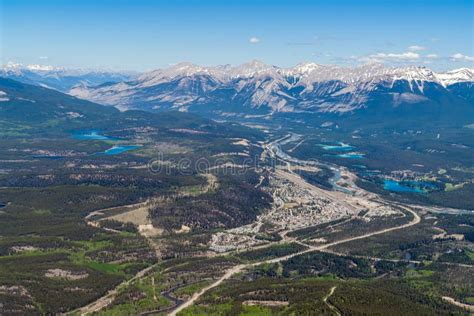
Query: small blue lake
[
  {"x": 340, "y": 146},
  {"x": 91, "y": 135},
  {"x": 119, "y": 149},
  {"x": 408, "y": 186},
  {"x": 351, "y": 155},
  {"x": 96, "y": 135}
]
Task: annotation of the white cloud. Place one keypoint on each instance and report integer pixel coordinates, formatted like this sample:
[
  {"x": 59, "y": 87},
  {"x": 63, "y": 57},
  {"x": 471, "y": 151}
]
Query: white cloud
[
  {"x": 416, "y": 48},
  {"x": 254, "y": 40},
  {"x": 43, "y": 57},
  {"x": 391, "y": 57},
  {"x": 432, "y": 56},
  {"x": 461, "y": 57}
]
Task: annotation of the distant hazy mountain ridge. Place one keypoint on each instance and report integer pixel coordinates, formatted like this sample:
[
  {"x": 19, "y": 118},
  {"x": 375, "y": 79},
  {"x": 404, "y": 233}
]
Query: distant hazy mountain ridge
[{"x": 61, "y": 79}]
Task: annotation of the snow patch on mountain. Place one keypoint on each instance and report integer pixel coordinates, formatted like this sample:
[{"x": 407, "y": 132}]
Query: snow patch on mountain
[
  {"x": 399, "y": 98},
  {"x": 255, "y": 85},
  {"x": 3, "y": 96}
]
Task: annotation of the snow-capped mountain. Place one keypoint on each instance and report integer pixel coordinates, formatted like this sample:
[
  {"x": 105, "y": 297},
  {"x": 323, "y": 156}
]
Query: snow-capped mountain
[
  {"x": 459, "y": 82},
  {"x": 59, "y": 78},
  {"x": 258, "y": 87},
  {"x": 457, "y": 76}
]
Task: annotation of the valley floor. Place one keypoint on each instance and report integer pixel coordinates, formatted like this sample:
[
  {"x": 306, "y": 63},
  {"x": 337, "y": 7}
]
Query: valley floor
[{"x": 298, "y": 207}]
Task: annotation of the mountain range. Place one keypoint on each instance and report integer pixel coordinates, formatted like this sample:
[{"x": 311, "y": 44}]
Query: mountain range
[
  {"x": 61, "y": 79},
  {"x": 258, "y": 88}
]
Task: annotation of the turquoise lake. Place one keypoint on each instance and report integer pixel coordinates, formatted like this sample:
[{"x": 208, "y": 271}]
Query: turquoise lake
[
  {"x": 339, "y": 147},
  {"x": 96, "y": 135},
  {"x": 407, "y": 186},
  {"x": 351, "y": 155},
  {"x": 91, "y": 135}
]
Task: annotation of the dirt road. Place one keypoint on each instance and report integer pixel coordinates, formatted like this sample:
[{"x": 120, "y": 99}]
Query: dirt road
[
  {"x": 108, "y": 298},
  {"x": 325, "y": 300}
]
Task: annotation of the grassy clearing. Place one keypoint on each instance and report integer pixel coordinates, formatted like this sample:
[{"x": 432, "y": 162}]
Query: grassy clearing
[
  {"x": 192, "y": 288},
  {"x": 448, "y": 187}
]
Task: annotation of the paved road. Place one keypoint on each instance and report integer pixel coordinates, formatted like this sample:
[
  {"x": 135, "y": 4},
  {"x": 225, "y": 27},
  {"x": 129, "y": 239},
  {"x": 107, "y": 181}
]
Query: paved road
[
  {"x": 296, "y": 179},
  {"x": 239, "y": 268},
  {"x": 104, "y": 301},
  {"x": 451, "y": 300}
]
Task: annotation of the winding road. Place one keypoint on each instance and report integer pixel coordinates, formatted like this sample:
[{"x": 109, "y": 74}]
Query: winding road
[
  {"x": 325, "y": 300},
  {"x": 273, "y": 150}
]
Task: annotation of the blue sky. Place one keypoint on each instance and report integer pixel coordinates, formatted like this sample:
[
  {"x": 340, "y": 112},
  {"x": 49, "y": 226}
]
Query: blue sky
[{"x": 143, "y": 35}]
